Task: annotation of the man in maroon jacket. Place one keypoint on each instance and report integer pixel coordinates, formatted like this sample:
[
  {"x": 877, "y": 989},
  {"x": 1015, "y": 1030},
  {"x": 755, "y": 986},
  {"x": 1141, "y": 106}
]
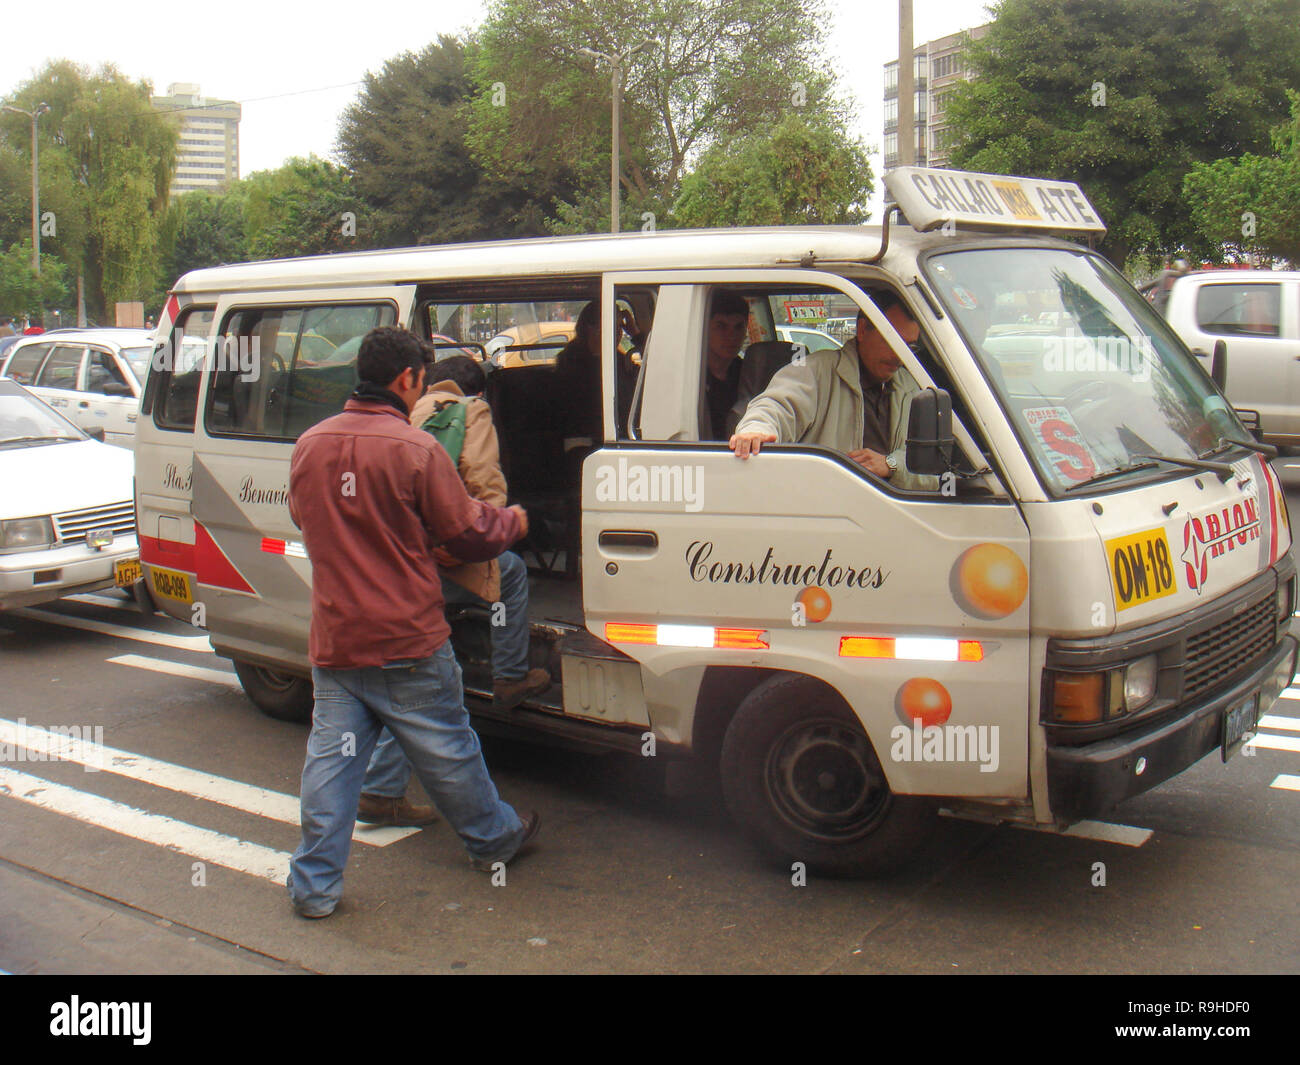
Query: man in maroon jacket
[{"x": 374, "y": 496}]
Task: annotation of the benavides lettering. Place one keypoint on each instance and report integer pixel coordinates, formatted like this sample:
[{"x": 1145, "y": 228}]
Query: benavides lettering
[
  {"x": 250, "y": 493},
  {"x": 827, "y": 573}
]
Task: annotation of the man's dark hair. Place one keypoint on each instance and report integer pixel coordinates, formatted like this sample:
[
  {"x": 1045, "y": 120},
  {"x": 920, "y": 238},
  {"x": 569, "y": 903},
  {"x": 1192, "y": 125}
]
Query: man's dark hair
[
  {"x": 386, "y": 351},
  {"x": 464, "y": 371},
  {"x": 727, "y": 302},
  {"x": 885, "y": 299}
]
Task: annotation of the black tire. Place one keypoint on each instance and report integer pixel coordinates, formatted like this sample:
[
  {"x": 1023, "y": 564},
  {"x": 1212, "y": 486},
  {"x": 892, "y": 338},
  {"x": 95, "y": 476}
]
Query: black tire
[
  {"x": 803, "y": 781},
  {"x": 283, "y": 696}
]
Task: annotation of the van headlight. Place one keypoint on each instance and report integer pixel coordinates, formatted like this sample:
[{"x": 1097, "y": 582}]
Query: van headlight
[
  {"x": 26, "y": 534},
  {"x": 1139, "y": 683}
]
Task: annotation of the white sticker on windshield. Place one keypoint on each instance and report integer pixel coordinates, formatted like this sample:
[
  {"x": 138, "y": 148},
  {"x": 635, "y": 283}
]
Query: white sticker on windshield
[{"x": 1059, "y": 439}]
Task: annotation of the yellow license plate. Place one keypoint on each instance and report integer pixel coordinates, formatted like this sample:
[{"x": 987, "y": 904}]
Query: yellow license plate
[
  {"x": 171, "y": 585},
  {"x": 126, "y": 571},
  {"x": 1141, "y": 568}
]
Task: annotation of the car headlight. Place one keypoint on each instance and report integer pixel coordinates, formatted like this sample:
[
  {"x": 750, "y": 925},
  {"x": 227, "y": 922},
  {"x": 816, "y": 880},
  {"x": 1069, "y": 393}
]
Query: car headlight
[
  {"x": 26, "y": 534},
  {"x": 1140, "y": 683}
]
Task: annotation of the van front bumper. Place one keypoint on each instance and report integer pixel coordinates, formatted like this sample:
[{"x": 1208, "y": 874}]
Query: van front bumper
[{"x": 1087, "y": 780}]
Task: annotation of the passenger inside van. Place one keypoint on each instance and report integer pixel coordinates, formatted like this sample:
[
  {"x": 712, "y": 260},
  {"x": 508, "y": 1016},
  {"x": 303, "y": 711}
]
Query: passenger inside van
[
  {"x": 728, "y": 330},
  {"x": 578, "y": 366}
]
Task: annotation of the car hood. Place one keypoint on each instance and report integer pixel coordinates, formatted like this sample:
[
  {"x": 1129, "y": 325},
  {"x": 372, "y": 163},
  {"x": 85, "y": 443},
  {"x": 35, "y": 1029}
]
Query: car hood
[{"x": 54, "y": 478}]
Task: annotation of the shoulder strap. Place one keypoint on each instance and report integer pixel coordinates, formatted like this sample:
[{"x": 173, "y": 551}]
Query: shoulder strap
[{"x": 447, "y": 424}]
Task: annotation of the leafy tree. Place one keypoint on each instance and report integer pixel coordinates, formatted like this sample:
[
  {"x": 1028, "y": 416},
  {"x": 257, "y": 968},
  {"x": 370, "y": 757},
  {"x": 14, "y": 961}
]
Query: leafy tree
[
  {"x": 715, "y": 69},
  {"x": 21, "y": 291},
  {"x": 301, "y": 208},
  {"x": 404, "y": 141},
  {"x": 794, "y": 174},
  {"x": 1125, "y": 96},
  {"x": 1251, "y": 204},
  {"x": 106, "y": 161}
]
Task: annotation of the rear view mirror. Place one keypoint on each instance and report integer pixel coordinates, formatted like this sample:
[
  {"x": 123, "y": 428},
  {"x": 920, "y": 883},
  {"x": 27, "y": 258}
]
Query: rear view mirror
[{"x": 929, "y": 433}]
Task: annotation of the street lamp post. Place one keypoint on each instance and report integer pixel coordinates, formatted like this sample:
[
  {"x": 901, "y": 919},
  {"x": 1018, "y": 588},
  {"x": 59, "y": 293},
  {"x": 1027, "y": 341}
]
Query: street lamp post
[
  {"x": 36, "y": 194},
  {"x": 617, "y": 62}
]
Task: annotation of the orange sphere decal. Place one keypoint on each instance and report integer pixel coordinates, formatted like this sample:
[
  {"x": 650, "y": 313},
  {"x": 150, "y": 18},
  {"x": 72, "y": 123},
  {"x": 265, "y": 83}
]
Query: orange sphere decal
[
  {"x": 989, "y": 581},
  {"x": 816, "y": 603},
  {"x": 924, "y": 700}
]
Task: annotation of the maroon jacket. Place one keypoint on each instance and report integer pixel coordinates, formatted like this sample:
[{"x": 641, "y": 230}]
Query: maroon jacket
[{"x": 373, "y": 496}]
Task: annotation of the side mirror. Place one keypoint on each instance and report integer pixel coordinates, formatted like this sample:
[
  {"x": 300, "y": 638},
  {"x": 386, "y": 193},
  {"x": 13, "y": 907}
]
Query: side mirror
[
  {"x": 929, "y": 433},
  {"x": 1219, "y": 365},
  {"x": 95, "y": 432},
  {"x": 114, "y": 388}
]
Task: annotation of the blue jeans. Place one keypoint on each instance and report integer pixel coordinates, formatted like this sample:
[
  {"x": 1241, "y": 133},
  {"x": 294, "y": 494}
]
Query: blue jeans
[
  {"x": 421, "y": 703},
  {"x": 389, "y": 771}
]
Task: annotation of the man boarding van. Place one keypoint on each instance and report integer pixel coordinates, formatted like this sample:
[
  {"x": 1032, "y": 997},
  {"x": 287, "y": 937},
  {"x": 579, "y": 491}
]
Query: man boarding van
[{"x": 1096, "y": 594}]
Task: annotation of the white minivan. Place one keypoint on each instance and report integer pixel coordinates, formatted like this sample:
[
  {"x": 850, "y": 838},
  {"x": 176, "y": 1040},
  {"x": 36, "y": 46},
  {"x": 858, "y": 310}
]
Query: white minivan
[{"x": 1095, "y": 594}]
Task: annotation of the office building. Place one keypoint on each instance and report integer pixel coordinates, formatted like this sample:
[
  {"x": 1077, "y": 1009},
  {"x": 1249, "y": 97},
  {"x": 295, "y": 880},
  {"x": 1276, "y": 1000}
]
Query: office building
[{"x": 207, "y": 156}]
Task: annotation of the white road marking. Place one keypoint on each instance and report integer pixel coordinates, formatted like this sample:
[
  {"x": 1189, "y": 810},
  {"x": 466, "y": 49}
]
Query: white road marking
[
  {"x": 161, "y": 639},
  {"x": 201, "y": 843},
  {"x": 1287, "y": 724},
  {"x": 102, "y": 600},
  {"x": 1290, "y": 693},
  {"x": 1287, "y": 782},
  {"x": 177, "y": 669},
  {"x": 262, "y": 802},
  {"x": 1270, "y": 742},
  {"x": 1125, "y": 835}
]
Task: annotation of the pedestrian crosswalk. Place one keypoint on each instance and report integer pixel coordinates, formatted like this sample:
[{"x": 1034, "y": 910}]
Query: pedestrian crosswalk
[{"x": 30, "y": 748}]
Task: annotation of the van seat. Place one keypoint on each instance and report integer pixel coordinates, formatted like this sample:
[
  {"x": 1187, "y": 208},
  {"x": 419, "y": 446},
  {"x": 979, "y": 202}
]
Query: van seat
[{"x": 759, "y": 365}]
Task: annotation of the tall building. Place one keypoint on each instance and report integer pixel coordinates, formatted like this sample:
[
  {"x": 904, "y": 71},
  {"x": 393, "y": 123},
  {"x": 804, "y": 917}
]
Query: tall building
[
  {"x": 937, "y": 67},
  {"x": 208, "y": 154}
]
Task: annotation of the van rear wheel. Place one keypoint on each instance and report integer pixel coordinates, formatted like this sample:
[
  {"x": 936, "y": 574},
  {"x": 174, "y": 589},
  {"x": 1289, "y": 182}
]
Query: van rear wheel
[
  {"x": 802, "y": 778},
  {"x": 283, "y": 696}
]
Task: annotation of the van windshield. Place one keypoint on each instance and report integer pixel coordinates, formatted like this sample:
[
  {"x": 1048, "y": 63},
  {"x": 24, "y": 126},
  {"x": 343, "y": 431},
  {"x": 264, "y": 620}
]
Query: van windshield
[{"x": 1090, "y": 378}]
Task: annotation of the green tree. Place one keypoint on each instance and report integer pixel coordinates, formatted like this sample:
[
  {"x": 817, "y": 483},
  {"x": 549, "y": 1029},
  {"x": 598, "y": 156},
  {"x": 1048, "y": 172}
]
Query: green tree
[
  {"x": 404, "y": 141},
  {"x": 303, "y": 207},
  {"x": 794, "y": 174},
  {"x": 21, "y": 291},
  {"x": 106, "y": 161},
  {"x": 1251, "y": 204},
  {"x": 715, "y": 69},
  {"x": 1125, "y": 96}
]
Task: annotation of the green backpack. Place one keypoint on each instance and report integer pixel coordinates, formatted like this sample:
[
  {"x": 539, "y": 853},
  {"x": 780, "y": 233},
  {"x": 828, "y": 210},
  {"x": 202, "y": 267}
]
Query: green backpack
[{"x": 447, "y": 424}]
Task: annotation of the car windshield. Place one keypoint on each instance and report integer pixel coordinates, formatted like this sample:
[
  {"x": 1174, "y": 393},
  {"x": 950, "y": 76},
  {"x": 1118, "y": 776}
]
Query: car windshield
[
  {"x": 138, "y": 359},
  {"x": 1093, "y": 381},
  {"x": 26, "y": 421}
]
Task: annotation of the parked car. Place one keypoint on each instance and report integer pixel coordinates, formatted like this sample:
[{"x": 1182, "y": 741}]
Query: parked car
[
  {"x": 812, "y": 339},
  {"x": 1257, "y": 315},
  {"x": 94, "y": 376},
  {"x": 550, "y": 336},
  {"x": 67, "y": 520}
]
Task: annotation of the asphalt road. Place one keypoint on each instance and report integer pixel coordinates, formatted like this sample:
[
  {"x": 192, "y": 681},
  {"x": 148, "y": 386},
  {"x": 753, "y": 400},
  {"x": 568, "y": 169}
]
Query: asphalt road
[{"x": 637, "y": 870}]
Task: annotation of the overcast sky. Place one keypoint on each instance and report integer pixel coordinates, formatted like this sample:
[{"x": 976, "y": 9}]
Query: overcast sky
[{"x": 294, "y": 68}]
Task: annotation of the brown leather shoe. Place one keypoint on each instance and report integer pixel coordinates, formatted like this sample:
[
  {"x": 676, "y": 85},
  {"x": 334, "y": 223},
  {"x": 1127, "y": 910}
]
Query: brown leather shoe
[
  {"x": 507, "y": 694},
  {"x": 385, "y": 810},
  {"x": 531, "y": 822}
]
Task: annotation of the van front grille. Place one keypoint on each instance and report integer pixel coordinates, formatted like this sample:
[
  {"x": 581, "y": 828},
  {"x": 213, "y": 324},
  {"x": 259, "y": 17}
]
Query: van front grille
[{"x": 1217, "y": 653}]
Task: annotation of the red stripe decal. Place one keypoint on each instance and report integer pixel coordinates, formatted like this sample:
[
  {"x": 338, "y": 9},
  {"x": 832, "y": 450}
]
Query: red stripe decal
[
  {"x": 172, "y": 554},
  {"x": 213, "y": 567}
]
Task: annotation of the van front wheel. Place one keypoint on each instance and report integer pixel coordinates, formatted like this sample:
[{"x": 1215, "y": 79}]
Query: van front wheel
[
  {"x": 283, "y": 696},
  {"x": 803, "y": 780}
]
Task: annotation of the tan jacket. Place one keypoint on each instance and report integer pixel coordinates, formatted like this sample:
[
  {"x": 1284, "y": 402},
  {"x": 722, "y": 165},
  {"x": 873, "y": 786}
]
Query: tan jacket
[
  {"x": 479, "y": 467},
  {"x": 821, "y": 402}
]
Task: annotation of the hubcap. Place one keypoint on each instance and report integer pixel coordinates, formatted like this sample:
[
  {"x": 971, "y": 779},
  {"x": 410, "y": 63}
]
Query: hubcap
[
  {"x": 281, "y": 682},
  {"x": 823, "y": 779}
]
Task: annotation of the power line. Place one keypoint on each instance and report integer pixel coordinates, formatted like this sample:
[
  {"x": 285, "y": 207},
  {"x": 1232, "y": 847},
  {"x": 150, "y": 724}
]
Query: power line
[{"x": 255, "y": 99}]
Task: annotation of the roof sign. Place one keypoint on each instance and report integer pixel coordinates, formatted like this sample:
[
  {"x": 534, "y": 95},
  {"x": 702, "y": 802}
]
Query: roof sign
[{"x": 931, "y": 198}]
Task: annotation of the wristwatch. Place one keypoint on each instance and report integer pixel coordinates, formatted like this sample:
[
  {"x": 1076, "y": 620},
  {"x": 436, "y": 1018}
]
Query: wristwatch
[{"x": 892, "y": 463}]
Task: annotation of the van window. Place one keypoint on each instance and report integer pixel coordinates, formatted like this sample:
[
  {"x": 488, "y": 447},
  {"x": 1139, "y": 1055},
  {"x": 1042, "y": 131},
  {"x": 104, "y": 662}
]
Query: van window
[
  {"x": 172, "y": 392},
  {"x": 1250, "y": 309},
  {"x": 277, "y": 371}
]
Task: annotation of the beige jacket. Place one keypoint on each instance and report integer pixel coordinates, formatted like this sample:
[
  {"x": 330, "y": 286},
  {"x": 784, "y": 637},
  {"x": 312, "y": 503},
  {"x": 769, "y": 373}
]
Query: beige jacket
[
  {"x": 821, "y": 403},
  {"x": 479, "y": 467}
]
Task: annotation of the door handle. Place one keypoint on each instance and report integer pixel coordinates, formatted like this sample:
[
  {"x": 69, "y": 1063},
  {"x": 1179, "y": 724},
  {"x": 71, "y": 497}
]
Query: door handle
[
  {"x": 84, "y": 405},
  {"x": 629, "y": 542}
]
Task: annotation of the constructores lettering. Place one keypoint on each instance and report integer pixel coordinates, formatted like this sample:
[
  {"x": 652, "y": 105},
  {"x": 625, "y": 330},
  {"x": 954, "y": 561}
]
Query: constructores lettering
[{"x": 771, "y": 570}]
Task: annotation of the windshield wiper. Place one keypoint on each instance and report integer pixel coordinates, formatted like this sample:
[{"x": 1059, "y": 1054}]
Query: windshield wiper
[
  {"x": 1220, "y": 469},
  {"x": 1116, "y": 472},
  {"x": 1225, "y": 444}
]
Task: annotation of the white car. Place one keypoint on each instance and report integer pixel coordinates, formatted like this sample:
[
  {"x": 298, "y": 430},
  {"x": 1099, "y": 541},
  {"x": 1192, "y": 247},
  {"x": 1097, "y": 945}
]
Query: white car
[
  {"x": 67, "y": 519},
  {"x": 94, "y": 377},
  {"x": 812, "y": 339}
]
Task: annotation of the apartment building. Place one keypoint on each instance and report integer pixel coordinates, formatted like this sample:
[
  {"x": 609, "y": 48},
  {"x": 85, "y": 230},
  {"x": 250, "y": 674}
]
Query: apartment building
[
  {"x": 937, "y": 67},
  {"x": 208, "y": 153}
]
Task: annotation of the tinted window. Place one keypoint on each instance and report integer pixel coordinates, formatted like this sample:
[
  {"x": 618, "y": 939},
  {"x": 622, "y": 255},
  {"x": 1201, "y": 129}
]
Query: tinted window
[
  {"x": 61, "y": 368},
  {"x": 172, "y": 395},
  {"x": 26, "y": 361},
  {"x": 1250, "y": 309},
  {"x": 280, "y": 370}
]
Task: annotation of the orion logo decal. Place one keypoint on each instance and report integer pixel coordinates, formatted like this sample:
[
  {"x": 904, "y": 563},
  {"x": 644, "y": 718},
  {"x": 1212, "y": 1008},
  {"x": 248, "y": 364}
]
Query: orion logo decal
[{"x": 1214, "y": 534}]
